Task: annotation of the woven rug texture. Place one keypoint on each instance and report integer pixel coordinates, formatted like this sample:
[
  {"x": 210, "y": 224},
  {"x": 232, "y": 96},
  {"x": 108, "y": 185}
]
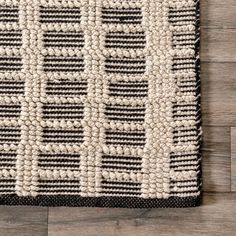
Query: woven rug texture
[{"x": 100, "y": 103}]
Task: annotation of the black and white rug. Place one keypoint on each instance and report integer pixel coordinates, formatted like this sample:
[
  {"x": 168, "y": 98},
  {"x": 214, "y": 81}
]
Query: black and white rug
[{"x": 100, "y": 103}]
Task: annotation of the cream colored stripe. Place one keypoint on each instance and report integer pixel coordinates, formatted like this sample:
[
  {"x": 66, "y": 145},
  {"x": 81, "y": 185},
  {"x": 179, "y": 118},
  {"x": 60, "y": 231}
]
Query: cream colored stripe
[
  {"x": 155, "y": 183},
  {"x": 91, "y": 149},
  {"x": 26, "y": 164}
]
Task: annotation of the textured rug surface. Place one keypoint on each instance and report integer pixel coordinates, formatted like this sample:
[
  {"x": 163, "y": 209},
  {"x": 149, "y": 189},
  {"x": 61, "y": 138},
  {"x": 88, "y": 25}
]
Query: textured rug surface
[{"x": 100, "y": 103}]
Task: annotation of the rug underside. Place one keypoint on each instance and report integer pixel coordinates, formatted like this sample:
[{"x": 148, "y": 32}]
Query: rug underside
[{"x": 100, "y": 103}]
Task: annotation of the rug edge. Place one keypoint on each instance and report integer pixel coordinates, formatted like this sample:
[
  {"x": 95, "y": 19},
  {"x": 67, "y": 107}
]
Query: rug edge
[{"x": 109, "y": 202}]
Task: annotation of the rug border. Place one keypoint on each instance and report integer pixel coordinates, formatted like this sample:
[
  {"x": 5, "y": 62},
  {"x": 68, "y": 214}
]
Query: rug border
[{"x": 110, "y": 202}]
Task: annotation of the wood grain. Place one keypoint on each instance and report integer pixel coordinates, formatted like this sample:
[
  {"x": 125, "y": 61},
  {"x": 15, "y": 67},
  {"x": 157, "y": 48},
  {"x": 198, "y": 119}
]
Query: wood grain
[
  {"x": 218, "y": 85},
  {"x": 233, "y": 159},
  {"x": 218, "y": 45},
  {"x": 216, "y": 159},
  {"x": 216, "y": 217},
  {"x": 218, "y": 13},
  {"x": 23, "y": 221}
]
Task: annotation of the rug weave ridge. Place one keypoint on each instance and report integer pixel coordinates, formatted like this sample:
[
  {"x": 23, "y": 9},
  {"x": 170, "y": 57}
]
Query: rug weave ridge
[{"x": 100, "y": 103}]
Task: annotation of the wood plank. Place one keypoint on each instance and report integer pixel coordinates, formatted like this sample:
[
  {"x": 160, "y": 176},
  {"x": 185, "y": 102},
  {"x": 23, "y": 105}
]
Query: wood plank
[
  {"x": 23, "y": 221},
  {"x": 216, "y": 159},
  {"x": 218, "y": 45},
  {"x": 216, "y": 217},
  {"x": 218, "y": 13},
  {"x": 233, "y": 159},
  {"x": 218, "y": 85}
]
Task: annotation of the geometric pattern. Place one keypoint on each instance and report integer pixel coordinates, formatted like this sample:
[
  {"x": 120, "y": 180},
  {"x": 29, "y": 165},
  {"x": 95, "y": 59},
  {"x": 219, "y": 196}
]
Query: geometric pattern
[{"x": 100, "y": 103}]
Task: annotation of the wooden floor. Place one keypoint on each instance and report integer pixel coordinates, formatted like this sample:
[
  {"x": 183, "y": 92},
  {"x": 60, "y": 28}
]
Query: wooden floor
[{"x": 217, "y": 216}]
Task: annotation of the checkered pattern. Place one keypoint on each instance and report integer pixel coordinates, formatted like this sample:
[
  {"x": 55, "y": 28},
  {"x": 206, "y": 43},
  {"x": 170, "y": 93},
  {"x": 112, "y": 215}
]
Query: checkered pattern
[{"x": 99, "y": 103}]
